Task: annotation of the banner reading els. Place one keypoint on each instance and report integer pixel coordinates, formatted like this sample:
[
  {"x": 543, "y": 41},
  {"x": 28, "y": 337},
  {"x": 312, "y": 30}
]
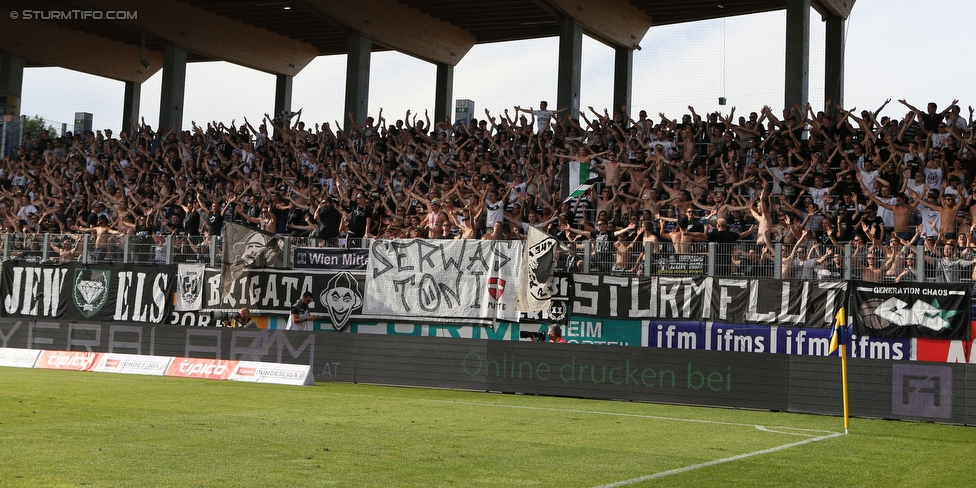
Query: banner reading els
[{"x": 124, "y": 292}]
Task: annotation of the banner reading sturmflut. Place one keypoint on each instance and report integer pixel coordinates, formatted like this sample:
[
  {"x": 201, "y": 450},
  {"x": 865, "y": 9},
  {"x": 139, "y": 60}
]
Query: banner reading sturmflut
[
  {"x": 930, "y": 310},
  {"x": 444, "y": 279},
  {"x": 731, "y": 300}
]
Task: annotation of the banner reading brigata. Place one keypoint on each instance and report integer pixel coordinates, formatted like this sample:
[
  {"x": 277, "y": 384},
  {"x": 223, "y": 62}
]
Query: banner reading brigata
[
  {"x": 264, "y": 291},
  {"x": 743, "y": 301},
  {"x": 454, "y": 279},
  {"x": 125, "y": 292},
  {"x": 929, "y": 310}
]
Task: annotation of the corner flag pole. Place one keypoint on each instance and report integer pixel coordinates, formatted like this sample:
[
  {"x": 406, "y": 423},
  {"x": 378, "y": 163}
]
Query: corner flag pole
[
  {"x": 843, "y": 369},
  {"x": 840, "y": 337}
]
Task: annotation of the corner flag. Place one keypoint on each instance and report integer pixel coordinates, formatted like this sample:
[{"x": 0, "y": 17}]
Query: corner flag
[{"x": 841, "y": 335}]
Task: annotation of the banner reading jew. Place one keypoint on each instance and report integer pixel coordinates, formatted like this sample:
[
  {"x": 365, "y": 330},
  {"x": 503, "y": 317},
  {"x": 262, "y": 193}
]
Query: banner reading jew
[
  {"x": 103, "y": 292},
  {"x": 736, "y": 300},
  {"x": 458, "y": 280},
  {"x": 267, "y": 292},
  {"x": 929, "y": 310}
]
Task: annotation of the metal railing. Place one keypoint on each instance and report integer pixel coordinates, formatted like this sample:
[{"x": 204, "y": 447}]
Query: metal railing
[{"x": 741, "y": 259}]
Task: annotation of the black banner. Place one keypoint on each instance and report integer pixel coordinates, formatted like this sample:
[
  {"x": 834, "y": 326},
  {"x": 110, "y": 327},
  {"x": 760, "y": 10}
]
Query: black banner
[
  {"x": 246, "y": 248},
  {"x": 338, "y": 295},
  {"x": 103, "y": 292},
  {"x": 930, "y": 310},
  {"x": 679, "y": 264},
  {"x": 331, "y": 258},
  {"x": 743, "y": 301}
]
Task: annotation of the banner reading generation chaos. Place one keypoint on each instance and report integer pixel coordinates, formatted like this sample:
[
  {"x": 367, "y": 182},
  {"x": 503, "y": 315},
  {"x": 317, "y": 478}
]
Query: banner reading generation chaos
[
  {"x": 97, "y": 292},
  {"x": 735, "y": 300},
  {"x": 930, "y": 310}
]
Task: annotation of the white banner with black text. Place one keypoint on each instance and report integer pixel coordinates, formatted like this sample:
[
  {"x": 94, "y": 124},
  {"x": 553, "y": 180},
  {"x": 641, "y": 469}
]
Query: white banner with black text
[{"x": 453, "y": 279}]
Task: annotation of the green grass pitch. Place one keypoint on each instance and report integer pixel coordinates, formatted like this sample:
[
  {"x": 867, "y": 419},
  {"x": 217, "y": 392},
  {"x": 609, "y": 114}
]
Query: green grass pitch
[{"x": 60, "y": 428}]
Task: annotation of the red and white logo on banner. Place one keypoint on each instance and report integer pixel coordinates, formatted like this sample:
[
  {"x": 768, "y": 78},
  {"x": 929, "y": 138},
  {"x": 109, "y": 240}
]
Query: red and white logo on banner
[
  {"x": 942, "y": 351},
  {"x": 244, "y": 371},
  {"x": 282, "y": 374},
  {"x": 70, "y": 360},
  {"x": 211, "y": 369},
  {"x": 496, "y": 286}
]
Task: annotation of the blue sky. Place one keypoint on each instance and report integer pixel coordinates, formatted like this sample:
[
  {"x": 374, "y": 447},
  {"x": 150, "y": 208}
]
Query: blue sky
[{"x": 740, "y": 58}]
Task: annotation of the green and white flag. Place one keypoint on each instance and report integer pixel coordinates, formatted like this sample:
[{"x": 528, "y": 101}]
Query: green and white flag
[{"x": 577, "y": 179}]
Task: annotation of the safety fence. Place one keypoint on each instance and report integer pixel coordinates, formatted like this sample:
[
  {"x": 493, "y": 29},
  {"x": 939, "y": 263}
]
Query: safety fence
[{"x": 895, "y": 263}]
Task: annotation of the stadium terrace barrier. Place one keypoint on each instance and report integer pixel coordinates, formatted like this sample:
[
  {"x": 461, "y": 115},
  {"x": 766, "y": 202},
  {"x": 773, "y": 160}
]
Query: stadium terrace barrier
[
  {"x": 944, "y": 393},
  {"x": 741, "y": 259}
]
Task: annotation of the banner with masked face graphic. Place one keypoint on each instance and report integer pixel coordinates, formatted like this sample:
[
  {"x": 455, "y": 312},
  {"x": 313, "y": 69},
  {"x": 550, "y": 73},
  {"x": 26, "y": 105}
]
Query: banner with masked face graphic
[
  {"x": 246, "y": 248},
  {"x": 338, "y": 296}
]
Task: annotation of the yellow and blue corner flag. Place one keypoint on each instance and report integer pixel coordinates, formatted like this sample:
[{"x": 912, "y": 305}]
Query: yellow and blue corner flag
[{"x": 841, "y": 335}]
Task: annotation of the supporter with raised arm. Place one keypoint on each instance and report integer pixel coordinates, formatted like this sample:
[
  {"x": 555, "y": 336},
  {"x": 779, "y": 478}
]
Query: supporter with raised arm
[
  {"x": 947, "y": 213},
  {"x": 543, "y": 116}
]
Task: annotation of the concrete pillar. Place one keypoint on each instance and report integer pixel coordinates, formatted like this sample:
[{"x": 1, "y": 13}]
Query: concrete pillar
[
  {"x": 444, "y": 95},
  {"x": 797, "y": 52},
  {"x": 568, "y": 72},
  {"x": 173, "y": 89},
  {"x": 283, "y": 88},
  {"x": 357, "y": 78},
  {"x": 623, "y": 79},
  {"x": 834, "y": 62},
  {"x": 11, "y": 83},
  {"x": 130, "y": 106}
]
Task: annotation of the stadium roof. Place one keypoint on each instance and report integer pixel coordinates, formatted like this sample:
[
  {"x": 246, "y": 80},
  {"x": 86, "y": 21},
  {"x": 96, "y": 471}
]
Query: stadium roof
[{"x": 283, "y": 36}]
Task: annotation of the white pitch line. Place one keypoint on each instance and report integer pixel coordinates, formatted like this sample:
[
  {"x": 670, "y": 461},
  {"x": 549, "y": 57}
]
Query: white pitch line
[
  {"x": 693, "y": 467},
  {"x": 768, "y": 429},
  {"x": 597, "y": 412}
]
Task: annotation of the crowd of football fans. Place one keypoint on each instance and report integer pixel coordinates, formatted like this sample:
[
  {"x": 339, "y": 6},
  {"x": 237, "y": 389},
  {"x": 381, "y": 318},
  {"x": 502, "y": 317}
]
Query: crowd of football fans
[{"x": 805, "y": 190}]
